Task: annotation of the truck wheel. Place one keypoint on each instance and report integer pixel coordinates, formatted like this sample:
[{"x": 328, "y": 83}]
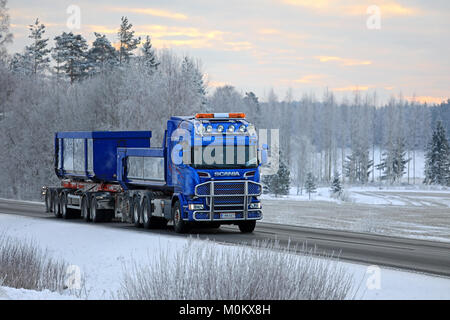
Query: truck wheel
[
  {"x": 247, "y": 226},
  {"x": 136, "y": 212},
  {"x": 63, "y": 205},
  {"x": 94, "y": 213},
  {"x": 85, "y": 209},
  {"x": 146, "y": 214},
  {"x": 179, "y": 225},
  {"x": 56, "y": 204},
  {"x": 48, "y": 202}
]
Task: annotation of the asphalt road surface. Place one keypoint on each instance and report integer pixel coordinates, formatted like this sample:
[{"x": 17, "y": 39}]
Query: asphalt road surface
[{"x": 417, "y": 255}]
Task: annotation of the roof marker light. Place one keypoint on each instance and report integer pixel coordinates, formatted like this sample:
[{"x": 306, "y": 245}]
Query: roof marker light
[
  {"x": 235, "y": 115},
  {"x": 204, "y": 115},
  {"x": 240, "y": 115}
]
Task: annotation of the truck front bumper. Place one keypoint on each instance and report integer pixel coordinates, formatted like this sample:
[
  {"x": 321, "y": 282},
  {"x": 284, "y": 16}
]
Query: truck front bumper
[
  {"x": 205, "y": 215},
  {"x": 228, "y": 200}
]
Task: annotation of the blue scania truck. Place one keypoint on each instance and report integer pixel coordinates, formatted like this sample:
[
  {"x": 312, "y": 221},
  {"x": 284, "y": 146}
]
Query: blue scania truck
[{"x": 207, "y": 172}]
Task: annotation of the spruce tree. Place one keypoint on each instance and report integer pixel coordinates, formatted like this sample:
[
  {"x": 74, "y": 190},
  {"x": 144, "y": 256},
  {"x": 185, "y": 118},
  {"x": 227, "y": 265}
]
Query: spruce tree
[
  {"x": 310, "y": 185},
  {"x": 282, "y": 180},
  {"x": 279, "y": 183},
  {"x": 394, "y": 161},
  {"x": 127, "y": 41},
  {"x": 336, "y": 186},
  {"x": 437, "y": 158},
  {"x": 148, "y": 56},
  {"x": 37, "y": 53}
]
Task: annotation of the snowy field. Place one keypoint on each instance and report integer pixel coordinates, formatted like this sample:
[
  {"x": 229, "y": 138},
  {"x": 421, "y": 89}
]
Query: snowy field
[
  {"x": 413, "y": 212},
  {"x": 101, "y": 253}
]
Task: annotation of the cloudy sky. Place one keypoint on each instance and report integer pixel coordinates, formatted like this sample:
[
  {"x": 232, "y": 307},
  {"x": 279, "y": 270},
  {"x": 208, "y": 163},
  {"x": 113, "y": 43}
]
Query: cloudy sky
[{"x": 306, "y": 45}]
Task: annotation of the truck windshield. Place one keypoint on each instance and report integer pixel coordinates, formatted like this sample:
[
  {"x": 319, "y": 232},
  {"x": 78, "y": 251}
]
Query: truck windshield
[{"x": 215, "y": 157}]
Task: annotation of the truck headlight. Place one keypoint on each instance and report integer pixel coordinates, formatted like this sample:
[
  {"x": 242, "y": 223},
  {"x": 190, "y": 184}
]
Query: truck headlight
[
  {"x": 200, "y": 129},
  {"x": 196, "y": 206},
  {"x": 251, "y": 130},
  {"x": 255, "y": 205}
]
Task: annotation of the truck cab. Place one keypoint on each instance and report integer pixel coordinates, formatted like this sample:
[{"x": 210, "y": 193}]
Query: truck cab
[{"x": 213, "y": 163}]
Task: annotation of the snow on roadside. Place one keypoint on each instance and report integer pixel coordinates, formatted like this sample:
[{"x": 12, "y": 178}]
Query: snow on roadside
[
  {"x": 7, "y": 293},
  {"x": 101, "y": 252},
  {"x": 396, "y": 284},
  {"x": 375, "y": 195}
]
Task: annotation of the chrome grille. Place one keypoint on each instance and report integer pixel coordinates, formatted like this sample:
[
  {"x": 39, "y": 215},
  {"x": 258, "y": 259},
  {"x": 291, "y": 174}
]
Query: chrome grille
[{"x": 228, "y": 195}]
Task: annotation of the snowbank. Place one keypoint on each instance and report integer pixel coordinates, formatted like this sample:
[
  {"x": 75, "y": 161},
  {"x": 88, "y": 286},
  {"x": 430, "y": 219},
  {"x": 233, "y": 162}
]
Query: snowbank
[{"x": 102, "y": 251}]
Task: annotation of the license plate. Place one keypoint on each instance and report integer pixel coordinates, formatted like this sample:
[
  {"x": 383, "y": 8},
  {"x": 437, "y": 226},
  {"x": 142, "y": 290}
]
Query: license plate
[{"x": 227, "y": 215}]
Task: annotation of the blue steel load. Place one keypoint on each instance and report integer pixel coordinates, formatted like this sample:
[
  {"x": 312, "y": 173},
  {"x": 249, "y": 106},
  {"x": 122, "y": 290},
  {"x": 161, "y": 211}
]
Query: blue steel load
[
  {"x": 92, "y": 154},
  {"x": 207, "y": 172}
]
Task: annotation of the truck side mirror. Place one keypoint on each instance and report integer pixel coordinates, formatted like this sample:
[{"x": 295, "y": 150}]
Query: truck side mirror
[{"x": 264, "y": 154}]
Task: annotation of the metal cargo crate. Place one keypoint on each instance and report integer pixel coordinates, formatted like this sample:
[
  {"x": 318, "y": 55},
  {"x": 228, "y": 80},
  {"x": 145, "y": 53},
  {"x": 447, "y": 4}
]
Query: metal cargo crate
[{"x": 92, "y": 154}]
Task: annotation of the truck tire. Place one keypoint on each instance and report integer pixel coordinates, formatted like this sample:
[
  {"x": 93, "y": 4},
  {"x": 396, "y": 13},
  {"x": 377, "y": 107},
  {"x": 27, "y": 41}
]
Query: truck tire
[
  {"x": 247, "y": 226},
  {"x": 136, "y": 212},
  {"x": 48, "y": 201},
  {"x": 179, "y": 225},
  {"x": 55, "y": 202},
  {"x": 63, "y": 205},
  {"x": 85, "y": 209},
  {"x": 94, "y": 212},
  {"x": 146, "y": 213}
]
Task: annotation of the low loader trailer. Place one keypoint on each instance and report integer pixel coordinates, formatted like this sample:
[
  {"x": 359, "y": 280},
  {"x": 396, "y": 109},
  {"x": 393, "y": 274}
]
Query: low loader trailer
[{"x": 207, "y": 173}]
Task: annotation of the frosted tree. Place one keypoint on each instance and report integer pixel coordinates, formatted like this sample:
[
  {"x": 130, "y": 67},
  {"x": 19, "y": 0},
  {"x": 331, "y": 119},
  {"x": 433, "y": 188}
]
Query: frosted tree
[
  {"x": 226, "y": 99},
  {"x": 300, "y": 159},
  {"x": 5, "y": 35},
  {"x": 253, "y": 108},
  {"x": 437, "y": 159},
  {"x": 358, "y": 165},
  {"x": 70, "y": 54},
  {"x": 21, "y": 63},
  {"x": 310, "y": 185},
  {"x": 394, "y": 161},
  {"x": 37, "y": 52},
  {"x": 102, "y": 55},
  {"x": 278, "y": 184},
  {"x": 148, "y": 58},
  {"x": 194, "y": 80},
  {"x": 127, "y": 41},
  {"x": 336, "y": 185}
]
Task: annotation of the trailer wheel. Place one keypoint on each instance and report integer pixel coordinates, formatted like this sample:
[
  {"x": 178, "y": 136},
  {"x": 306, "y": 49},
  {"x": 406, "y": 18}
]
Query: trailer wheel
[
  {"x": 66, "y": 213},
  {"x": 85, "y": 209},
  {"x": 48, "y": 202},
  {"x": 179, "y": 225},
  {"x": 55, "y": 201},
  {"x": 95, "y": 217},
  {"x": 136, "y": 212},
  {"x": 247, "y": 226}
]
